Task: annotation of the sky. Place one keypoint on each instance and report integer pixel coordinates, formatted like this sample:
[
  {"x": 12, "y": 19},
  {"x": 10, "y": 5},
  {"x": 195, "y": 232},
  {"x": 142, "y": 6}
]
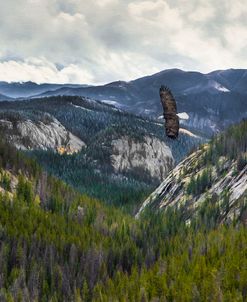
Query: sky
[{"x": 99, "y": 41}]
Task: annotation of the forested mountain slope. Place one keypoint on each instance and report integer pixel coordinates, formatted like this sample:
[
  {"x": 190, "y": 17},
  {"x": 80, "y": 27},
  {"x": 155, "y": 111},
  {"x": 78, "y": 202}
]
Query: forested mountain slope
[
  {"x": 211, "y": 181},
  {"x": 57, "y": 245}
]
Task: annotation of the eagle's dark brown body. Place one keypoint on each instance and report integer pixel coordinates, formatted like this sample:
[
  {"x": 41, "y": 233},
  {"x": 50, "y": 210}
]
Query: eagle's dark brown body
[{"x": 170, "y": 112}]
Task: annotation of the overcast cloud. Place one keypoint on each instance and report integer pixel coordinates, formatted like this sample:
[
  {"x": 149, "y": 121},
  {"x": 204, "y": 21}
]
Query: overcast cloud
[{"x": 98, "y": 41}]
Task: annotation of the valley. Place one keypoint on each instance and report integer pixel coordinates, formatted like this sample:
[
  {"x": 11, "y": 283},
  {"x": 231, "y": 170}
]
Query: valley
[
  {"x": 97, "y": 204},
  {"x": 119, "y": 157},
  {"x": 57, "y": 244}
]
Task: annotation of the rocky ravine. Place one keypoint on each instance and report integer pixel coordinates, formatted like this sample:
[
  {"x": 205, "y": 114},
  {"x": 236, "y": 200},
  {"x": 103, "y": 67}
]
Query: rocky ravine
[
  {"x": 228, "y": 186},
  {"x": 151, "y": 155},
  {"x": 29, "y": 135}
]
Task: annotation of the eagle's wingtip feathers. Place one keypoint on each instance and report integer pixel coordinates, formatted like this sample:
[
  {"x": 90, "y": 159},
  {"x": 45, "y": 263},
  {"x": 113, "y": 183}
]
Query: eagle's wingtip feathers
[{"x": 165, "y": 88}]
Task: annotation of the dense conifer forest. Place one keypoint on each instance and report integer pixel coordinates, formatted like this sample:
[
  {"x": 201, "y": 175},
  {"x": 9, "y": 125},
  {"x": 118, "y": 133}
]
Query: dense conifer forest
[{"x": 59, "y": 245}]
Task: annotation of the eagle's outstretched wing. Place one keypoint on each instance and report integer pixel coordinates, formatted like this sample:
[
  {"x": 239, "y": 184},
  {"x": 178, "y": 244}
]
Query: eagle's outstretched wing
[{"x": 170, "y": 112}]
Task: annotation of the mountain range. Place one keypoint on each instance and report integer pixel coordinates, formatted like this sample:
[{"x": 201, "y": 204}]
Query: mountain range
[
  {"x": 213, "y": 101},
  {"x": 14, "y": 90}
]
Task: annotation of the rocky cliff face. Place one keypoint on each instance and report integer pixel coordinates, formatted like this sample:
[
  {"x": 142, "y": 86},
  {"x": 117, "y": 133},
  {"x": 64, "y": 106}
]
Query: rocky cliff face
[
  {"x": 205, "y": 179},
  {"x": 49, "y": 134},
  {"x": 151, "y": 156}
]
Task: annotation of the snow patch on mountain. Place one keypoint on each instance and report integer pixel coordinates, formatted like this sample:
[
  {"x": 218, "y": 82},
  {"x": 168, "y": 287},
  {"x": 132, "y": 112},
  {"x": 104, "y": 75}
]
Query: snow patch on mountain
[
  {"x": 185, "y": 131},
  {"x": 80, "y": 107},
  {"x": 109, "y": 102},
  {"x": 219, "y": 87},
  {"x": 183, "y": 116}
]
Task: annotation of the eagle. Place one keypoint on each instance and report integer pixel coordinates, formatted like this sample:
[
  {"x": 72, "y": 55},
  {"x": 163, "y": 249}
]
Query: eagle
[{"x": 169, "y": 112}]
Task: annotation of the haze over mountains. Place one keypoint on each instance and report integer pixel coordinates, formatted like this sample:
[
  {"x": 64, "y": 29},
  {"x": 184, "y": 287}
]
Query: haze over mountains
[
  {"x": 28, "y": 89},
  {"x": 213, "y": 100}
]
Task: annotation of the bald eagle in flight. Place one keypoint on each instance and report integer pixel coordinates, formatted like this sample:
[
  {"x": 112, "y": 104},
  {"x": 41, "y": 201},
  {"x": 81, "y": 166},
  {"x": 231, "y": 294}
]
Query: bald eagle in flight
[{"x": 169, "y": 112}]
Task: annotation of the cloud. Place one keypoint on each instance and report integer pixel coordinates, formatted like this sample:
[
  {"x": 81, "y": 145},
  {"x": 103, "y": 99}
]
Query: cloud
[
  {"x": 157, "y": 14},
  {"x": 203, "y": 13},
  {"x": 236, "y": 37},
  {"x": 105, "y": 40},
  {"x": 42, "y": 71}
]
